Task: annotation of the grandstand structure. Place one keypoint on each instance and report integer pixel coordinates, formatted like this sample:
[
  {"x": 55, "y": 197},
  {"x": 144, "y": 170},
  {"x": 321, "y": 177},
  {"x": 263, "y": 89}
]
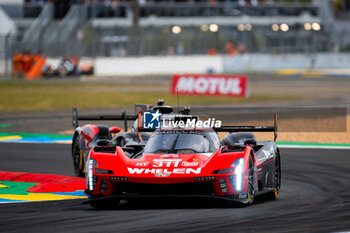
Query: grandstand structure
[{"x": 110, "y": 28}]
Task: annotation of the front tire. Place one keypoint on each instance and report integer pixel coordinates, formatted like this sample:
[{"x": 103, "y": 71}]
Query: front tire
[{"x": 77, "y": 157}]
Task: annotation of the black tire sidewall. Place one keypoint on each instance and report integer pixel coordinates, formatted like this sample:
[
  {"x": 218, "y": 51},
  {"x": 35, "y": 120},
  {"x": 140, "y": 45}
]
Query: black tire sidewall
[{"x": 78, "y": 172}]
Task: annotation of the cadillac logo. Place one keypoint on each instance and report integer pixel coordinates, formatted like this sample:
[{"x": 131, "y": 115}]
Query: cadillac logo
[{"x": 162, "y": 174}]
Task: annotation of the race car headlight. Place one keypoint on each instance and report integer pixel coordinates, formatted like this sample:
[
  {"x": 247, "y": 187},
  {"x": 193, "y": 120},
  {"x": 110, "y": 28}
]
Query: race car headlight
[
  {"x": 238, "y": 174},
  {"x": 91, "y": 180}
]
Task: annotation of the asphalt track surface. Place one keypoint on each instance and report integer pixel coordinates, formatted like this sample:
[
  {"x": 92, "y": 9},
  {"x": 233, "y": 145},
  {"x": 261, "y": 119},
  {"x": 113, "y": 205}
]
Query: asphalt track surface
[{"x": 314, "y": 197}]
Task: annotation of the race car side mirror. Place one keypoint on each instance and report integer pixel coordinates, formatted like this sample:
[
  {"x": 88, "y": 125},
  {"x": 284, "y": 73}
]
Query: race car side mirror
[{"x": 114, "y": 130}]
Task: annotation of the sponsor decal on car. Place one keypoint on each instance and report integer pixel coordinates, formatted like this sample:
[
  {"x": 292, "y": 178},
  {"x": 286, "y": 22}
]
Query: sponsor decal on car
[
  {"x": 164, "y": 171},
  {"x": 189, "y": 164},
  {"x": 142, "y": 164}
]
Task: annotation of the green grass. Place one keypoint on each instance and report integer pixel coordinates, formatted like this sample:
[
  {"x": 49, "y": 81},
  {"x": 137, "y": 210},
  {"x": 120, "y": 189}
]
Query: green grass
[{"x": 28, "y": 96}]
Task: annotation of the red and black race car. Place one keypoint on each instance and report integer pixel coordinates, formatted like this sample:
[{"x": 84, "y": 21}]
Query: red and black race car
[{"x": 186, "y": 163}]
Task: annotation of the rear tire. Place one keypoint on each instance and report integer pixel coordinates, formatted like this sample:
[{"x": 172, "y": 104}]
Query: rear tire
[
  {"x": 277, "y": 180},
  {"x": 78, "y": 157},
  {"x": 251, "y": 181}
]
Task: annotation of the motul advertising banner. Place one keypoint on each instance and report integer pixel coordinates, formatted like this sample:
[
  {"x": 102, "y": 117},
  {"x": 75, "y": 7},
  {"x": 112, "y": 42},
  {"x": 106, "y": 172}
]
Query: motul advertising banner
[{"x": 209, "y": 84}]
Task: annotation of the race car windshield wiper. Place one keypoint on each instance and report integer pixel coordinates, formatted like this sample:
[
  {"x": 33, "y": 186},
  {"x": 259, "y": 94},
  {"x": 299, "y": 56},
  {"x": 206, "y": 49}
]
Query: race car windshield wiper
[{"x": 172, "y": 150}]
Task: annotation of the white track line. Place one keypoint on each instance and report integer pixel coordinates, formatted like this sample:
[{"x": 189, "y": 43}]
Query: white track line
[{"x": 314, "y": 147}]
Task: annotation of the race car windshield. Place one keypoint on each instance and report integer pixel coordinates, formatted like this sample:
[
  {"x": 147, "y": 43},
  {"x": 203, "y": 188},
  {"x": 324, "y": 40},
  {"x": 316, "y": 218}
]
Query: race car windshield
[{"x": 178, "y": 142}]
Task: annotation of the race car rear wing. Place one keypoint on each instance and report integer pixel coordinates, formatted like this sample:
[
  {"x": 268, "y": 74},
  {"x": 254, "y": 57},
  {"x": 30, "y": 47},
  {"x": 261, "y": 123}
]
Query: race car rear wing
[
  {"x": 232, "y": 129},
  {"x": 123, "y": 117}
]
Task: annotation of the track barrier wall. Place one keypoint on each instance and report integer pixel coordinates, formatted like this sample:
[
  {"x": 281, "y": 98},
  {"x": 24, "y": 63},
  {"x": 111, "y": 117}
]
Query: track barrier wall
[{"x": 217, "y": 64}]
